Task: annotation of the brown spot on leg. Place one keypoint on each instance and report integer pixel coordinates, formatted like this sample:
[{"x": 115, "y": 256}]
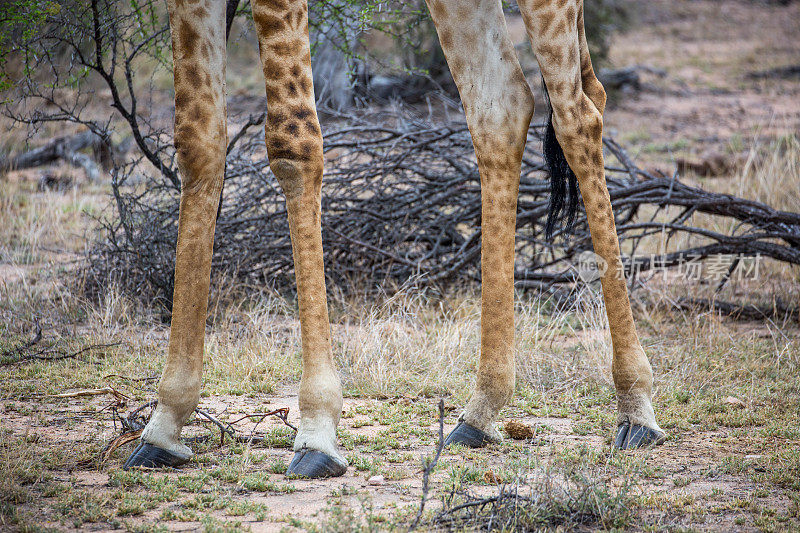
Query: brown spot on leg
[
  {"x": 273, "y": 5},
  {"x": 302, "y": 113},
  {"x": 187, "y": 38},
  {"x": 193, "y": 76},
  {"x": 268, "y": 23}
]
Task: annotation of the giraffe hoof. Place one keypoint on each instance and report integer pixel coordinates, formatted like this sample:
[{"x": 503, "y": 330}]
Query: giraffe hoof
[
  {"x": 148, "y": 456},
  {"x": 314, "y": 464},
  {"x": 634, "y": 436},
  {"x": 467, "y": 435}
]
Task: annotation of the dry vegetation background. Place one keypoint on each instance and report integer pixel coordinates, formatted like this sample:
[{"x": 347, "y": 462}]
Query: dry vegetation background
[{"x": 711, "y": 104}]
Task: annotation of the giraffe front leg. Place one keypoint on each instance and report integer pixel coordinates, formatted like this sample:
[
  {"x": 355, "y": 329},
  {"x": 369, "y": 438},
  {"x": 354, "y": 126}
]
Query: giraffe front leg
[
  {"x": 294, "y": 146},
  {"x": 320, "y": 395},
  {"x": 198, "y": 45},
  {"x": 498, "y": 105},
  {"x": 578, "y": 123}
]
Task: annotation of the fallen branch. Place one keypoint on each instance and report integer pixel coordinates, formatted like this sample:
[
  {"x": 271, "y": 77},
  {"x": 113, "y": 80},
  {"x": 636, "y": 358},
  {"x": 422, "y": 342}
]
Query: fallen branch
[
  {"x": 778, "y": 310},
  {"x": 50, "y": 354},
  {"x": 91, "y": 392},
  {"x": 18, "y": 354},
  {"x": 401, "y": 201},
  {"x": 786, "y": 72},
  {"x": 66, "y": 149}
]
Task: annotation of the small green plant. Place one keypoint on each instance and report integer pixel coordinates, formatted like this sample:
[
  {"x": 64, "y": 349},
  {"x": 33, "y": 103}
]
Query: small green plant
[
  {"x": 278, "y": 466},
  {"x": 681, "y": 481}
]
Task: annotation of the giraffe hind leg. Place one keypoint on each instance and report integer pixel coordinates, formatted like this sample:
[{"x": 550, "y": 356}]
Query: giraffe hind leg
[
  {"x": 563, "y": 182},
  {"x": 578, "y": 124},
  {"x": 590, "y": 84},
  {"x": 561, "y": 175}
]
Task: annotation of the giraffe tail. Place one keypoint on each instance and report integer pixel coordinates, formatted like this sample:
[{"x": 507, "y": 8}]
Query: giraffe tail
[{"x": 563, "y": 182}]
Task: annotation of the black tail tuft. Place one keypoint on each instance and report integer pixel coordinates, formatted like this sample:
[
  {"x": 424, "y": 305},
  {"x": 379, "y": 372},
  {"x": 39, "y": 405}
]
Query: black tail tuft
[
  {"x": 221, "y": 194},
  {"x": 563, "y": 202}
]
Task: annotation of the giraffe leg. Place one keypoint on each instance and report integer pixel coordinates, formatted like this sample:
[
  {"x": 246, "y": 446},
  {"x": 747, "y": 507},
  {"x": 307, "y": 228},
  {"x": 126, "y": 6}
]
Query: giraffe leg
[
  {"x": 198, "y": 47},
  {"x": 294, "y": 145},
  {"x": 498, "y": 105},
  {"x": 577, "y": 101}
]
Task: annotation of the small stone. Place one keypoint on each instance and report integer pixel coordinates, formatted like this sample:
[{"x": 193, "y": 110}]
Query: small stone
[
  {"x": 752, "y": 457},
  {"x": 733, "y": 401},
  {"x": 376, "y": 480},
  {"x": 516, "y": 429}
]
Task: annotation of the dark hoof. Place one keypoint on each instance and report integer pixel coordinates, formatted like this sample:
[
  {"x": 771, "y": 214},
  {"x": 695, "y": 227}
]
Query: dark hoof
[
  {"x": 149, "y": 456},
  {"x": 314, "y": 464},
  {"x": 636, "y": 436},
  {"x": 468, "y": 436}
]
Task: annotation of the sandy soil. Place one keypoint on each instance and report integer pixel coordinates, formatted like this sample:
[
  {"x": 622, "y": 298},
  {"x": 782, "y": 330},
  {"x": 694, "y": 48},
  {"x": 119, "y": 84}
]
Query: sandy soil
[{"x": 687, "y": 468}]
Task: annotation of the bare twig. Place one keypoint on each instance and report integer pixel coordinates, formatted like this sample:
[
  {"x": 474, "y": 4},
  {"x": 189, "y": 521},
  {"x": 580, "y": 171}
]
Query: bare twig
[
  {"x": 429, "y": 466},
  {"x": 134, "y": 421},
  {"x": 224, "y": 427},
  {"x": 37, "y": 337},
  {"x": 281, "y": 413},
  {"x": 123, "y": 439},
  {"x": 91, "y": 392}
]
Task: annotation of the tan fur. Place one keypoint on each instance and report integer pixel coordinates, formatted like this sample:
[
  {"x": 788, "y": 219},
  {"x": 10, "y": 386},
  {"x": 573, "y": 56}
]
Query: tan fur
[
  {"x": 498, "y": 105},
  {"x": 578, "y": 101},
  {"x": 198, "y": 49}
]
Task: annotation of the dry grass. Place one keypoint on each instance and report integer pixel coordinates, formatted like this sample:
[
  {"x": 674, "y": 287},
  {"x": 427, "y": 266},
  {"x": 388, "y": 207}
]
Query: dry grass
[
  {"x": 724, "y": 466},
  {"x": 770, "y": 174}
]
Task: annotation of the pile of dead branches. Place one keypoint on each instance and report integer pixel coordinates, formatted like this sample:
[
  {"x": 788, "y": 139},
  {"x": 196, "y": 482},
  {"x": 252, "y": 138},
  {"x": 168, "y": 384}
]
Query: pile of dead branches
[
  {"x": 401, "y": 197},
  {"x": 401, "y": 203}
]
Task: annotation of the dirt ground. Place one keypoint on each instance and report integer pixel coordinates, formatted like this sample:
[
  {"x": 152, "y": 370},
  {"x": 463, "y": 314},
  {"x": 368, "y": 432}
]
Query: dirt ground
[
  {"x": 713, "y": 474},
  {"x": 714, "y": 96},
  {"x": 728, "y": 393}
]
